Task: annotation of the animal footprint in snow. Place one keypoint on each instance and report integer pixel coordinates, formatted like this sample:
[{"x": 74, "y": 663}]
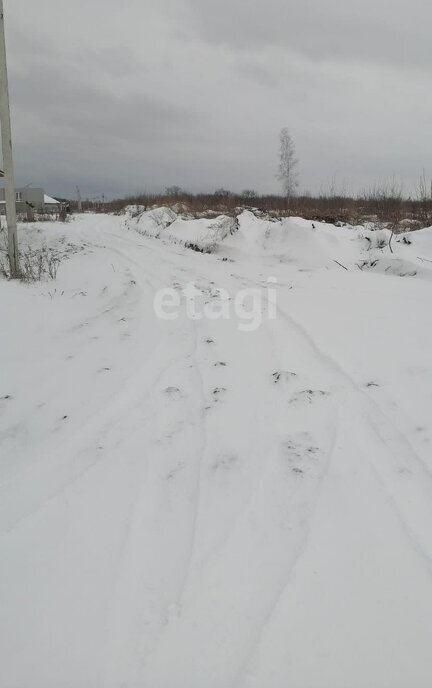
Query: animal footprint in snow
[
  {"x": 218, "y": 391},
  {"x": 216, "y": 397},
  {"x": 174, "y": 471},
  {"x": 225, "y": 462},
  {"x": 300, "y": 456},
  {"x": 5, "y": 398},
  {"x": 173, "y": 392},
  {"x": 283, "y": 376},
  {"x": 308, "y": 396}
]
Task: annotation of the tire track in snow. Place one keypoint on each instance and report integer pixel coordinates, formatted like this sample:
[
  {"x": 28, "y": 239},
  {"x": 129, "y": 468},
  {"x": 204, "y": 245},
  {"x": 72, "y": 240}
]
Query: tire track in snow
[
  {"x": 303, "y": 540},
  {"x": 134, "y": 574},
  {"x": 132, "y": 539},
  {"x": 22, "y": 486},
  {"x": 291, "y": 535},
  {"x": 222, "y": 545}
]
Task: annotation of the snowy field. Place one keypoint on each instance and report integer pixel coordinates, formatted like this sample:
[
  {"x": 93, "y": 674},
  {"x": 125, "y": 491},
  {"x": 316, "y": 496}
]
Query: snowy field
[{"x": 189, "y": 503}]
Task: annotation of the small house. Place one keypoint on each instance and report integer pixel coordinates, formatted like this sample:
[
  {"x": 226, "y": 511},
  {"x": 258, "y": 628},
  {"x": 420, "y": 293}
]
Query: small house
[{"x": 34, "y": 198}]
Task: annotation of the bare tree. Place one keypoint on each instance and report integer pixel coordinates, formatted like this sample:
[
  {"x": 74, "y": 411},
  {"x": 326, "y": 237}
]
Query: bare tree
[
  {"x": 288, "y": 163},
  {"x": 173, "y": 191},
  {"x": 249, "y": 193}
]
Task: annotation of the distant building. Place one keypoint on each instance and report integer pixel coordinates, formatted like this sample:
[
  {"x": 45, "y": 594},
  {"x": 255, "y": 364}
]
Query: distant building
[{"x": 35, "y": 198}]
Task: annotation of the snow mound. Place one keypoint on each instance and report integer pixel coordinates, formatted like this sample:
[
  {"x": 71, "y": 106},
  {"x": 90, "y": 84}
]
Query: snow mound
[
  {"x": 149, "y": 222},
  {"x": 410, "y": 254},
  {"x": 202, "y": 234},
  {"x": 301, "y": 243},
  {"x": 309, "y": 246},
  {"x": 304, "y": 245}
]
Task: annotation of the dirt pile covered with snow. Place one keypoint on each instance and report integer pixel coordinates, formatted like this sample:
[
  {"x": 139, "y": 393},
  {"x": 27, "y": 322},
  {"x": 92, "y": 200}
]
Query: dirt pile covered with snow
[
  {"x": 203, "y": 235},
  {"x": 310, "y": 245}
]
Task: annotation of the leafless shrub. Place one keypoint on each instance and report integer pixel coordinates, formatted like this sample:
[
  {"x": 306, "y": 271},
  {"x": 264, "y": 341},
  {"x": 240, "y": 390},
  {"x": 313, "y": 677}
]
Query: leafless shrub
[
  {"x": 35, "y": 263},
  {"x": 51, "y": 216},
  {"x": 39, "y": 263},
  {"x": 424, "y": 196},
  {"x": 4, "y": 259},
  {"x": 4, "y": 267}
]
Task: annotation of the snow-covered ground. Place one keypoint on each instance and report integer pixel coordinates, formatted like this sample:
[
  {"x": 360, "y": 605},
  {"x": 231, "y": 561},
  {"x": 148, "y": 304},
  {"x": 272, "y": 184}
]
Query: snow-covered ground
[{"x": 185, "y": 504}]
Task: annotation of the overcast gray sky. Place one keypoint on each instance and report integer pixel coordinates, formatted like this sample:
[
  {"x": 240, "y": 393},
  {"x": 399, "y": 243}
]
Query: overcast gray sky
[{"x": 121, "y": 96}]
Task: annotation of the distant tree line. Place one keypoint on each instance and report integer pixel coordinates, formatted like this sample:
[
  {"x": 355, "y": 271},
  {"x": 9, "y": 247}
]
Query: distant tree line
[{"x": 382, "y": 202}]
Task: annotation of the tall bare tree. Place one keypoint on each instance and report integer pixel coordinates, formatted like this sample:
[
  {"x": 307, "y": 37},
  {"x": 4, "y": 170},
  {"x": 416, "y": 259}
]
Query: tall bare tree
[{"x": 288, "y": 163}]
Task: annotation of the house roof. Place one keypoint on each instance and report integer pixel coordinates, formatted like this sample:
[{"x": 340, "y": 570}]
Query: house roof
[{"x": 49, "y": 199}]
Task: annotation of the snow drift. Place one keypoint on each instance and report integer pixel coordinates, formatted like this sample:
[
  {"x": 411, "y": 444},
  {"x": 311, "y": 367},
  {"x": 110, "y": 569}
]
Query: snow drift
[
  {"x": 203, "y": 235},
  {"x": 309, "y": 245}
]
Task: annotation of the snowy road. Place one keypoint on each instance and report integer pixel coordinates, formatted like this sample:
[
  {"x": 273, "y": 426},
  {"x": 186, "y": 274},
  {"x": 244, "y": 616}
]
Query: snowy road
[{"x": 187, "y": 505}]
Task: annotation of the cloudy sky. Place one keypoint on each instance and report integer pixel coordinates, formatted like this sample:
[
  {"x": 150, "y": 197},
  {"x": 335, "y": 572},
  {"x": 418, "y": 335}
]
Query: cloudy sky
[{"x": 121, "y": 96}]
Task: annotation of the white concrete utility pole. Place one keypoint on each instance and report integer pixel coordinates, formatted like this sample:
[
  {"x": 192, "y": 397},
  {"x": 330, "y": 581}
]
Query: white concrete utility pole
[{"x": 6, "y": 137}]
